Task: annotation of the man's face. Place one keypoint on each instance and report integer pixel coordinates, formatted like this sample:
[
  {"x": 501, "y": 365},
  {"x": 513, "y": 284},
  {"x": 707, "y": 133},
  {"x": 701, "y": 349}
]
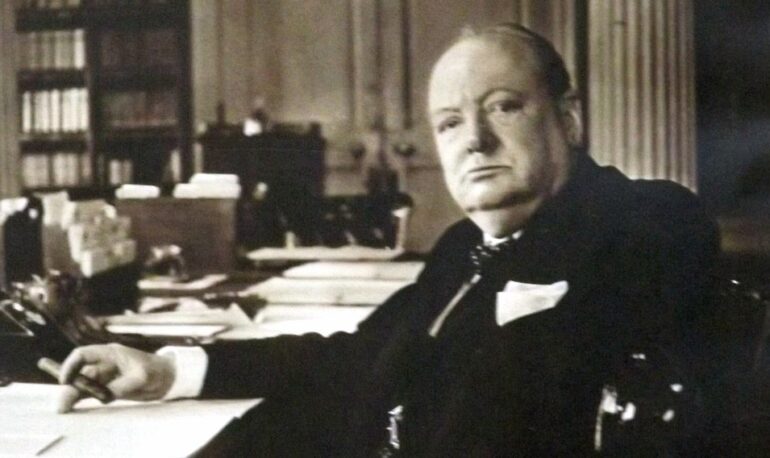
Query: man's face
[{"x": 500, "y": 136}]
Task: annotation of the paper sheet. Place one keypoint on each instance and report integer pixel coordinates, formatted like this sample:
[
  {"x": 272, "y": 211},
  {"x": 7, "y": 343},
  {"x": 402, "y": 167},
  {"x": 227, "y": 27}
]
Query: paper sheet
[
  {"x": 314, "y": 253},
  {"x": 26, "y": 444},
  {"x": 168, "y": 330},
  {"x": 120, "y": 429},
  {"x": 373, "y": 270},
  {"x": 279, "y": 290},
  {"x": 166, "y": 283}
]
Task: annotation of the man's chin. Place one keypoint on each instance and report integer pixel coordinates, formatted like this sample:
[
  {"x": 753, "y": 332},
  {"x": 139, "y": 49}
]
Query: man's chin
[{"x": 489, "y": 202}]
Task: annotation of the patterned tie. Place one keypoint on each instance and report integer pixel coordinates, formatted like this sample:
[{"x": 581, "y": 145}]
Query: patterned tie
[{"x": 482, "y": 255}]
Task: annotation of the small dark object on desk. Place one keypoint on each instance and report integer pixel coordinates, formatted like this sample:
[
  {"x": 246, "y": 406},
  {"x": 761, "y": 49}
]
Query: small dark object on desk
[
  {"x": 81, "y": 382},
  {"x": 250, "y": 304}
]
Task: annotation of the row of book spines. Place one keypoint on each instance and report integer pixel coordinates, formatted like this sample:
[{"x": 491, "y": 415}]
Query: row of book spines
[
  {"x": 48, "y": 4},
  {"x": 137, "y": 109},
  {"x": 60, "y": 169},
  {"x": 120, "y": 171},
  {"x": 63, "y": 4},
  {"x": 52, "y": 49},
  {"x": 54, "y": 111},
  {"x": 151, "y": 48}
]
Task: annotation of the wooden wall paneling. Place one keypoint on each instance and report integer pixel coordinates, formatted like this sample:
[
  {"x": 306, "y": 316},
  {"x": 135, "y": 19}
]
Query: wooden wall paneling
[
  {"x": 646, "y": 94},
  {"x": 660, "y": 86},
  {"x": 314, "y": 50},
  {"x": 9, "y": 110},
  {"x": 206, "y": 61},
  {"x": 366, "y": 82},
  {"x": 265, "y": 63},
  {"x": 395, "y": 79},
  {"x": 641, "y": 62},
  {"x": 236, "y": 56}
]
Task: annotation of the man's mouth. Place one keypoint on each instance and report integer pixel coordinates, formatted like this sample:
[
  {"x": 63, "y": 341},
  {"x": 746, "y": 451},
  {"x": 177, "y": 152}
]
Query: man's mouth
[{"x": 481, "y": 172}]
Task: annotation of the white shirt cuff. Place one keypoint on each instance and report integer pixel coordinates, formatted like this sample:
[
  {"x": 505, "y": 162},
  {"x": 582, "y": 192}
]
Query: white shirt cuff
[{"x": 190, "y": 364}]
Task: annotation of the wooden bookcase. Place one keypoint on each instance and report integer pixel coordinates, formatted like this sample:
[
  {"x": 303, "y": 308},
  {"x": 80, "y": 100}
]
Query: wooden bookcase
[{"x": 104, "y": 93}]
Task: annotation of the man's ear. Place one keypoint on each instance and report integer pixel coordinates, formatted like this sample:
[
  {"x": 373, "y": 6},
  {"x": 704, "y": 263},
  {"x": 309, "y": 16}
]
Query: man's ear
[{"x": 571, "y": 112}]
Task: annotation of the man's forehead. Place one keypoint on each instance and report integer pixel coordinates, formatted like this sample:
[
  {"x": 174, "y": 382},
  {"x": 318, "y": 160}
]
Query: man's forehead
[{"x": 483, "y": 61}]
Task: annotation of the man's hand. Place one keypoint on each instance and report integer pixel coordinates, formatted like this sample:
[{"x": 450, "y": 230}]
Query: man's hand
[{"x": 127, "y": 372}]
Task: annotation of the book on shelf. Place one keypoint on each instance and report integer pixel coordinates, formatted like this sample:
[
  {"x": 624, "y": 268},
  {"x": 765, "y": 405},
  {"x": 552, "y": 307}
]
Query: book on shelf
[
  {"x": 160, "y": 109},
  {"x": 111, "y": 49},
  {"x": 48, "y": 4},
  {"x": 26, "y": 112},
  {"x": 132, "y": 109},
  {"x": 121, "y": 171},
  {"x": 159, "y": 48},
  {"x": 47, "y": 50},
  {"x": 54, "y": 111},
  {"x": 79, "y": 48},
  {"x": 52, "y": 49},
  {"x": 57, "y": 169}
]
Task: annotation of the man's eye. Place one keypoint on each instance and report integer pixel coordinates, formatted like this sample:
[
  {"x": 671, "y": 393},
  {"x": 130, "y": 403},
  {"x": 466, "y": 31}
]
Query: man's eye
[
  {"x": 449, "y": 123},
  {"x": 504, "y": 107}
]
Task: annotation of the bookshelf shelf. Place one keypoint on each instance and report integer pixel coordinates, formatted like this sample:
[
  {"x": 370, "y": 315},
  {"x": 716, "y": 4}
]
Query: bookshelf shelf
[
  {"x": 141, "y": 135},
  {"x": 109, "y": 14},
  {"x": 30, "y": 19},
  {"x": 53, "y": 142},
  {"x": 104, "y": 93},
  {"x": 50, "y": 79}
]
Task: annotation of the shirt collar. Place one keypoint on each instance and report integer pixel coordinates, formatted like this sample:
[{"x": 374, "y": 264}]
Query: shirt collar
[{"x": 493, "y": 241}]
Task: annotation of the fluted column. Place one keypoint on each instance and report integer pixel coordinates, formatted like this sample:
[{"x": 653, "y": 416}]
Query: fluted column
[
  {"x": 641, "y": 87},
  {"x": 557, "y": 21},
  {"x": 9, "y": 146}
]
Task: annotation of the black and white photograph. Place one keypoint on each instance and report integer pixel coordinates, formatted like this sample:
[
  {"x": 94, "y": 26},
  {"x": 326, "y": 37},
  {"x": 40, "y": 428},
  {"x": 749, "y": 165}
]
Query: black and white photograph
[{"x": 384, "y": 228}]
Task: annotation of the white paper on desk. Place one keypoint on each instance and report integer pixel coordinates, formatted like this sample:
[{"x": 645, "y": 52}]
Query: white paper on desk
[
  {"x": 168, "y": 330},
  {"x": 315, "y": 253},
  {"x": 26, "y": 444},
  {"x": 171, "y": 284},
  {"x": 373, "y": 270},
  {"x": 119, "y": 429},
  {"x": 231, "y": 316},
  {"x": 281, "y": 290}
]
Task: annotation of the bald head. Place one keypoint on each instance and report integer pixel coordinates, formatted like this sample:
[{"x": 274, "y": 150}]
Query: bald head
[{"x": 548, "y": 62}]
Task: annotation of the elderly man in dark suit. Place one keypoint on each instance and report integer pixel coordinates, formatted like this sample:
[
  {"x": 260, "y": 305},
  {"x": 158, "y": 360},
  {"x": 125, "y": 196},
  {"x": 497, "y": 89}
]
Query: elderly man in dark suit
[{"x": 522, "y": 314}]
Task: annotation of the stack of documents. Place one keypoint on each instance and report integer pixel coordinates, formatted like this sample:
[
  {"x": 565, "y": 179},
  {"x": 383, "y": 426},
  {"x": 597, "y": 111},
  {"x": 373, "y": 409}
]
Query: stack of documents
[
  {"x": 98, "y": 238},
  {"x": 198, "y": 323},
  {"x": 316, "y": 253},
  {"x": 209, "y": 185},
  {"x": 277, "y": 320},
  {"x": 280, "y": 290},
  {"x": 137, "y": 191},
  {"x": 372, "y": 270},
  {"x": 174, "y": 284}
]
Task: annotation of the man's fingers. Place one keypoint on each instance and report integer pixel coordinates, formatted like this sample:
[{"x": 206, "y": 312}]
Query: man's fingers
[
  {"x": 78, "y": 358},
  {"x": 67, "y": 399},
  {"x": 91, "y": 372},
  {"x": 126, "y": 387}
]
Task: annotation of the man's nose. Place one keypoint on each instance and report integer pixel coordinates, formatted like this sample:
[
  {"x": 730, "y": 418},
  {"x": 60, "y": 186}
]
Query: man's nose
[{"x": 481, "y": 139}]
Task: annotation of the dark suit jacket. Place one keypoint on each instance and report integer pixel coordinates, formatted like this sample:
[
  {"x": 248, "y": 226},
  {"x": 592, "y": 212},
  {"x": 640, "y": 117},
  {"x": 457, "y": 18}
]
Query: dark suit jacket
[{"x": 637, "y": 256}]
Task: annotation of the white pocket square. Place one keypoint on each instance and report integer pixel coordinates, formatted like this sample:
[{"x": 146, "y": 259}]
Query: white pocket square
[{"x": 521, "y": 299}]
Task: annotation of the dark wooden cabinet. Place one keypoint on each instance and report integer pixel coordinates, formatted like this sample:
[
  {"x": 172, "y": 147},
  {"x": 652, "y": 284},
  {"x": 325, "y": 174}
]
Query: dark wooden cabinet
[{"x": 282, "y": 176}]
